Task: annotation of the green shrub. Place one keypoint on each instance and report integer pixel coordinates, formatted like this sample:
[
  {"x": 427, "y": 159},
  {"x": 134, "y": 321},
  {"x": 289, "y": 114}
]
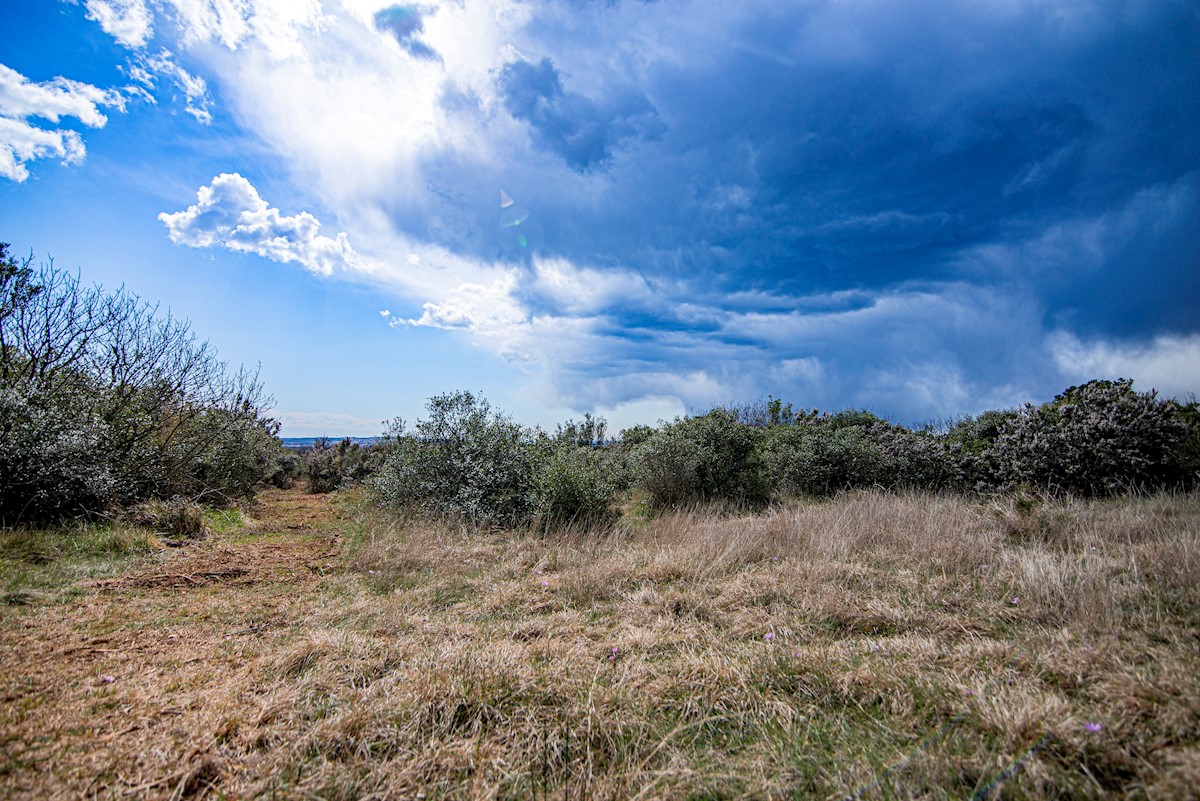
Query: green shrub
[
  {"x": 321, "y": 468},
  {"x": 913, "y": 459},
  {"x": 330, "y": 468},
  {"x": 710, "y": 458},
  {"x": 574, "y": 484},
  {"x": 463, "y": 460},
  {"x": 105, "y": 402},
  {"x": 818, "y": 460},
  {"x": 52, "y": 463},
  {"x": 284, "y": 466}
]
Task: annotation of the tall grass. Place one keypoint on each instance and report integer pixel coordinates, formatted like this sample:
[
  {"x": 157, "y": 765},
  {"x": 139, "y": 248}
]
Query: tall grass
[
  {"x": 890, "y": 645},
  {"x": 872, "y": 645}
]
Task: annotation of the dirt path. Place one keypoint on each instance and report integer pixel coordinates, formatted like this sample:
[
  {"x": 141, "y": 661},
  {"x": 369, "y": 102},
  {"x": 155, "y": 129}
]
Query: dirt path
[{"x": 133, "y": 687}]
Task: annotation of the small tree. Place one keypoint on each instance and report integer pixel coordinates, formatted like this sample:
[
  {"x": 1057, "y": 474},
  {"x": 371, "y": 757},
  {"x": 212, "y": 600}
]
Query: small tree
[{"x": 464, "y": 459}]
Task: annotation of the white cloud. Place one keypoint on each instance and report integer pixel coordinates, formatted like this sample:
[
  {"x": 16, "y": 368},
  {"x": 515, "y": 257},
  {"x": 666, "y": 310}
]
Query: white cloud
[
  {"x": 21, "y": 99},
  {"x": 332, "y": 424},
  {"x": 492, "y": 315},
  {"x": 54, "y": 99},
  {"x": 1170, "y": 364},
  {"x": 649, "y": 410},
  {"x": 583, "y": 290},
  {"x": 21, "y": 142},
  {"x": 229, "y": 213},
  {"x": 194, "y": 88},
  {"x": 204, "y": 20},
  {"x": 357, "y": 115},
  {"x": 130, "y": 22},
  {"x": 805, "y": 371}
]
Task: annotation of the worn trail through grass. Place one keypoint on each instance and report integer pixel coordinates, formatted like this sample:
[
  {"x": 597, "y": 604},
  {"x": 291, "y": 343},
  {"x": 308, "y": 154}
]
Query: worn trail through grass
[{"x": 117, "y": 691}]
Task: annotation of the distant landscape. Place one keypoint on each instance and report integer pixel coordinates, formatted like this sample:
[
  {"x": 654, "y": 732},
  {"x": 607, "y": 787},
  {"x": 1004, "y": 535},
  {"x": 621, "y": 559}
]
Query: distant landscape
[{"x": 304, "y": 443}]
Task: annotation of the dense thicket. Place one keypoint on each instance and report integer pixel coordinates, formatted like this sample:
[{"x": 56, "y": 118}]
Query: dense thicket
[
  {"x": 105, "y": 402},
  {"x": 468, "y": 461}
]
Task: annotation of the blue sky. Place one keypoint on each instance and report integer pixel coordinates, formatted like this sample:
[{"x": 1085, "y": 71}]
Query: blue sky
[{"x": 631, "y": 208}]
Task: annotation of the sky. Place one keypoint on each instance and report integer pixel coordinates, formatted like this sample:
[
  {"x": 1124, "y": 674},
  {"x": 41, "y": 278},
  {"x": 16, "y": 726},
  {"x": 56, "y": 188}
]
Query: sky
[{"x": 634, "y": 209}]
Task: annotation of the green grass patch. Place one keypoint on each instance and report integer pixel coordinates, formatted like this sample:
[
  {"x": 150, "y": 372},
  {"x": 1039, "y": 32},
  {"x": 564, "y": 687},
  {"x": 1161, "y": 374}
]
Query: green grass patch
[
  {"x": 224, "y": 521},
  {"x": 34, "y": 562}
]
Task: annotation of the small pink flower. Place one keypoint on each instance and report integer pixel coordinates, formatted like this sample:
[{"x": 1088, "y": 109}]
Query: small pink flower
[
  {"x": 985, "y": 567},
  {"x": 545, "y": 584},
  {"x": 797, "y": 654},
  {"x": 1093, "y": 727},
  {"x": 968, "y": 693},
  {"x": 1015, "y": 601},
  {"x": 109, "y": 679},
  {"x": 770, "y": 635},
  {"x": 613, "y": 655},
  {"x": 538, "y": 571}
]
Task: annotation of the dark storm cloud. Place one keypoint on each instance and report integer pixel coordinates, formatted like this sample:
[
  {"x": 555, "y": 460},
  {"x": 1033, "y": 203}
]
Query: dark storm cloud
[
  {"x": 582, "y": 131},
  {"x": 959, "y": 128},
  {"x": 406, "y": 23},
  {"x": 1001, "y": 172}
]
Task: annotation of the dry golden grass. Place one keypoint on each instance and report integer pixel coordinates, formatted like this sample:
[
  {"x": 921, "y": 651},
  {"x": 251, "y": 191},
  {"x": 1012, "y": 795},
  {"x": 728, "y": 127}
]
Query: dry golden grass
[{"x": 873, "y": 646}]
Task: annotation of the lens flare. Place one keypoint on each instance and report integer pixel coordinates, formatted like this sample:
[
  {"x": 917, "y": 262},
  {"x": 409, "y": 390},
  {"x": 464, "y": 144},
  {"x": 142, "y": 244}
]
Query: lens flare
[{"x": 520, "y": 232}]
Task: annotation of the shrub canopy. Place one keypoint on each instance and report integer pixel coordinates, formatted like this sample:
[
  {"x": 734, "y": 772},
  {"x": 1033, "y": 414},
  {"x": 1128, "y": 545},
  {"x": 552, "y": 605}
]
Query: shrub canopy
[{"x": 106, "y": 401}]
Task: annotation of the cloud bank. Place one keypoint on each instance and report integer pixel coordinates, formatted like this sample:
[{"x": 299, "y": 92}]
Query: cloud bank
[{"x": 918, "y": 210}]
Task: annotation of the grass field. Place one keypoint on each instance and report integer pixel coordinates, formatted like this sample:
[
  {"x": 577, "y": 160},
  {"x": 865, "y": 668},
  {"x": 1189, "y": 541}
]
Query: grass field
[{"x": 873, "y": 646}]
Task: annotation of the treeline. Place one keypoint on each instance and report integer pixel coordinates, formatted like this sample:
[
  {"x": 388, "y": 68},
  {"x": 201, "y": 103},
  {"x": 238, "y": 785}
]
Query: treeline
[
  {"x": 106, "y": 402},
  {"x": 471, "y": 462}
]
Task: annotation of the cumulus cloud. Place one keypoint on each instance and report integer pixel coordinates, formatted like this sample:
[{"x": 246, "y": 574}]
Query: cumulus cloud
[
  {"x": 1170, "y": 364},
  {"x": 21, "y": 99},
  {"x": 492, "y": 315},
  {"x": 229, "y": 213},
  {"x": 130, "y": 22}
]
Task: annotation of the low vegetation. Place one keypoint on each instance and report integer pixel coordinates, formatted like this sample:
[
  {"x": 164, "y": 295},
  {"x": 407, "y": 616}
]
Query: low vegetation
[
  {"x": 873, "y": 645},
  {"x": 468, "y": 462}
]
